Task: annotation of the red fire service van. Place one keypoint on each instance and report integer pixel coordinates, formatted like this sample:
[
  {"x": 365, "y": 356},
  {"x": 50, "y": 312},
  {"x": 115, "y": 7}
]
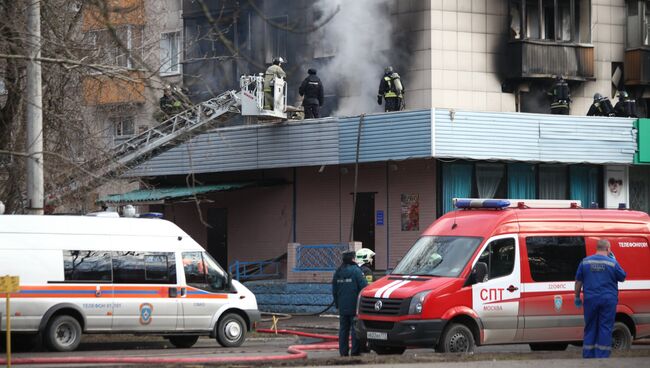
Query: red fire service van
[{"x": 502, "y": 272}]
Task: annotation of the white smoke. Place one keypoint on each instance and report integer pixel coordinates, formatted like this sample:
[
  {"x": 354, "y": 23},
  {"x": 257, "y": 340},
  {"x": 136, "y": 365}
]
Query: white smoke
[{"x": 359, "y": 37}]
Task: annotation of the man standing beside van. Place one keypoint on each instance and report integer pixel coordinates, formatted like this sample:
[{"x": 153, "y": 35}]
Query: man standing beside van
[
  {"x": 598, "y": 276},
  {"x": 347, "y": 282}
]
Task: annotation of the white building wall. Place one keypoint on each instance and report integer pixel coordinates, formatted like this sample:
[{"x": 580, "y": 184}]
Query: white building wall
[{"x": 466, "y": 36}]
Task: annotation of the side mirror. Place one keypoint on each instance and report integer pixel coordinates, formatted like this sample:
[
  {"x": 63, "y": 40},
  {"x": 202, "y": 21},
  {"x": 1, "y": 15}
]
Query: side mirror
[{"x": 229, "y": 281}]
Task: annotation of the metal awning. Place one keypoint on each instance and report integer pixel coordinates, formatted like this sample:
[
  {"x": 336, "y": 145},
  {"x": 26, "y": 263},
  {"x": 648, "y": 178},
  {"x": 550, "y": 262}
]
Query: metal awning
[{"x": 159, "y": 195}]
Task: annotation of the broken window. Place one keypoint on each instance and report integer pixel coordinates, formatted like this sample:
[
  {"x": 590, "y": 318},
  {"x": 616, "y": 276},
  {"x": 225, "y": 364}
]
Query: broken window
[{"x": 551, "y": 20}]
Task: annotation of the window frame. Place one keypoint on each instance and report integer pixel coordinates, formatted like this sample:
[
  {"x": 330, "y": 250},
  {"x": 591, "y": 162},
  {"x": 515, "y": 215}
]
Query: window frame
[
  {"x": 489, "y": 263},
  {"x": 68, "y": 252},
  {"x": 119, "y": 121},
  {"x": 539, "y": 34},
  {"x": 568, "y": 278},
  {"x": 174, "y": 60}
]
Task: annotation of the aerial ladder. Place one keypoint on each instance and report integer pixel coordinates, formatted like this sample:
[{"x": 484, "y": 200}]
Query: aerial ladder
[{"x": 249, "y": 101}]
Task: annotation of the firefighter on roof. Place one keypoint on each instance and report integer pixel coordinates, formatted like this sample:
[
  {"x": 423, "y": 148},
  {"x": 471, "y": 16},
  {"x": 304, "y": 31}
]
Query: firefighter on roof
[
  {"x": 391, "y": 90},
  {"x": 312, "y": 90},
  {"x": 273, "y": 71},
  {"x": 560, "y": 104},
  {"x": 625, "y": 107}
]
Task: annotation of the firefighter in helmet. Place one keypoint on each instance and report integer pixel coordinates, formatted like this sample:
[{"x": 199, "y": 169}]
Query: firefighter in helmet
[
  {"x": 364, "y": 259},
  {"x": 273, "y": 71},
  {"x": 561, "y": 98},
  {"x": 601, "y": 106},
  {"x": 626, "y": 106},
  {"x": 391, "y": 90}
]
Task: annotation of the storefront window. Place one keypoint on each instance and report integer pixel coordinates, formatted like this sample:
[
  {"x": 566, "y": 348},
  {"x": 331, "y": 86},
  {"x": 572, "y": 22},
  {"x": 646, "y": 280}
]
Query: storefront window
[{"x": 640, "y": 188}]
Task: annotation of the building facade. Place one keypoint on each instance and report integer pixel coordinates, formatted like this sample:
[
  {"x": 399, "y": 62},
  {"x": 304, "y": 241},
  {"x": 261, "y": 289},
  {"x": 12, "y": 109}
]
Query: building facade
[{"x": 477, "y": 73}]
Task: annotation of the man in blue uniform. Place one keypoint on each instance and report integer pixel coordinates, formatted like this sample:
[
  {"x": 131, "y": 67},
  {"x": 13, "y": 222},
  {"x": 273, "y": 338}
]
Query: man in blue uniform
[
  {"x": 347, "y": 282},
  {"x": 598, "y": 275}
]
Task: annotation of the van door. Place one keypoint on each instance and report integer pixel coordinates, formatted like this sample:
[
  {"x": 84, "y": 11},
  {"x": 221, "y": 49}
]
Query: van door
[
  {"x": 205, "y": 293},
  {"x": 496, "y": 298},
  {"x": 145, "y": 291},
  {"x": 549, "y": 310}
]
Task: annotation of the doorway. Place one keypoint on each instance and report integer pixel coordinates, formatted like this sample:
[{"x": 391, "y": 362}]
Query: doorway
[
  {"x": 218, "y": 235},
  {"x": 364, "y": 220}
]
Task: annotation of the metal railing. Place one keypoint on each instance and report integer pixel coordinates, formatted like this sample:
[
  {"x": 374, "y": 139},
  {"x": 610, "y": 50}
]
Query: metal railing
[
  {"x": 254, "y": 270},
  {"x": 320, "y": 257}
]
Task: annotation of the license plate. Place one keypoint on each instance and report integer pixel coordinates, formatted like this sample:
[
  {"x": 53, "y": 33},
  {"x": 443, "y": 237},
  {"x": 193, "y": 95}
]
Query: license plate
[{"x": 371, "y": 335}]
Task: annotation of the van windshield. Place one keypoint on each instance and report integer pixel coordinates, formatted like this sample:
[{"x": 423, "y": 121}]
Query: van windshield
[{"x": 444, "y": 256}]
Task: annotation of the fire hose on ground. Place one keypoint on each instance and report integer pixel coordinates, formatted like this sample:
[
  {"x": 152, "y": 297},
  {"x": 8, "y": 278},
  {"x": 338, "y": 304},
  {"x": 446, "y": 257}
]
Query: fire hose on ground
[{"x": 295, "y": 352}]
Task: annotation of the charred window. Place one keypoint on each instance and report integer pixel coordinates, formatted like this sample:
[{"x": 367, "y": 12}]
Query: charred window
[
  {"x": 638, "y": 23},
  {"x": 554, "y": 258},
  {"x": 87, "y": 266},
  {"x": 550, "y": 20}
]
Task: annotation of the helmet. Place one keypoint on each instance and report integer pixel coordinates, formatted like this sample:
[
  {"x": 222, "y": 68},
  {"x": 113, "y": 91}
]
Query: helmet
[
  {"x": 364, "y": 255},
  {"x": 311, "y": 71},
  {"x": 279, "y": 60},
  {"x": 623, "y": 95},
  {"x": 597, "y": 96},
  {"x": 388, "y": 70}
]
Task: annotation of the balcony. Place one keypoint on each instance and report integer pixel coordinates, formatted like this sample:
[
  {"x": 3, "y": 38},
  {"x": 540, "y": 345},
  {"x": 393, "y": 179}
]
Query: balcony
[
  {"x": 531, "y": 59},
  {"x": 637, "y": 67},
  {"x": 108, "y": 90}
]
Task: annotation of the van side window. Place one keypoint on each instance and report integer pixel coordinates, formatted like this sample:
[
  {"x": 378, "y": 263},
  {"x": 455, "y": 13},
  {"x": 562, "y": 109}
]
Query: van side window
[
  {"x": 143, "y": 268},
  {"x": 499, "y": 256},
  {"x": 202, "y": 272},
  {"x": 554, "y": 258},
  {"x": 87, "y": 265}
]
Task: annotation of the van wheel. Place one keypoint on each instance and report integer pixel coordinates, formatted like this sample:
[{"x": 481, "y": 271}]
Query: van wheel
[
  {"x": 183, "y": 342},
  {"x": 387, "y": 350},
  {"x": 231, "y": 330},
  {"x": 457, "y": 338},
  {"x": 548, "y": 346},
  {"x": 621, "y": 337},
  {"x": 63, "y": 333}
]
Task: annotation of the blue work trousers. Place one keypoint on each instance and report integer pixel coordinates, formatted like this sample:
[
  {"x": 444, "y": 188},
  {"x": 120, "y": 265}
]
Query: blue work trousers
[
  {"x": 346, "y": 327},
  {"x": 599, "y": 322}
]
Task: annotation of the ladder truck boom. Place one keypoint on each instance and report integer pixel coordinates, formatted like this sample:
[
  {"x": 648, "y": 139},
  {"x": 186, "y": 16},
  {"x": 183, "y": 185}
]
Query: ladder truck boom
[
  {"x": 157, "y": 140},
  {"x": 249, "y": 102}
]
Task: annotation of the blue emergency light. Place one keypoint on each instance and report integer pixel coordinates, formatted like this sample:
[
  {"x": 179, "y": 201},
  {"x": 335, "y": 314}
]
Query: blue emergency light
[
  {"x": 153, "y": 215},
  {"x": 464, "y": 203}
]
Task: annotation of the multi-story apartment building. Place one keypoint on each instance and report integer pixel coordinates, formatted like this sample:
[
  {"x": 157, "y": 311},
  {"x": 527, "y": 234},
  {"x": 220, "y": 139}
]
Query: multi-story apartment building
[{"x": 477, "y": 73}]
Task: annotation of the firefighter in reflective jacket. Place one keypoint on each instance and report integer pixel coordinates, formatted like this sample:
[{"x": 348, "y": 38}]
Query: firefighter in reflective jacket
[
  {"x": 625, "y": 107},
  {"x": 364, "y": 260},
  {"x": 273, "y": 71},
  {"x": 391, "y": 90},
  {"x": 598, "y": 276},
  {"x": 560, "y": 104},
  {"x": 347, "y": 282}
]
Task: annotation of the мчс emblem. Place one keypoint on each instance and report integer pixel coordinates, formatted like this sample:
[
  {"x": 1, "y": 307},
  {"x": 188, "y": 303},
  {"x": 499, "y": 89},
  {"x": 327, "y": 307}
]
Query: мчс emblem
[
  {"x": 557, "y": 302},
  {"x": 146, "y": 311},
  {"x": 378, "y": 305}
]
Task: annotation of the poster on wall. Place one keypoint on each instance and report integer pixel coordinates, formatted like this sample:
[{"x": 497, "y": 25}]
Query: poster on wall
[
  {"x": 410, "y": 212},
  {"x": 616, "y": 186}
]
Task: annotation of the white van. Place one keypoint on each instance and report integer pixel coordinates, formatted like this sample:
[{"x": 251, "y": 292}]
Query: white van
[{"x": 81, "y": 274}]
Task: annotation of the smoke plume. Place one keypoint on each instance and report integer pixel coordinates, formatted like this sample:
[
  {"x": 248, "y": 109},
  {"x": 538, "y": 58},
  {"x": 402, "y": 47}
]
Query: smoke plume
[{"x": 359, "y": 40}]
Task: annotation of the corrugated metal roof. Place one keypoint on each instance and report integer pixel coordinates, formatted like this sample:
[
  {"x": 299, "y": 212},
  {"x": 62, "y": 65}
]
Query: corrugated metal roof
[
  {"x": 533, "y": 137},
  {"x": 402, "y": 135},
  {"x": 160, "y": 194},
  {"x": 392, "y": 136}
]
